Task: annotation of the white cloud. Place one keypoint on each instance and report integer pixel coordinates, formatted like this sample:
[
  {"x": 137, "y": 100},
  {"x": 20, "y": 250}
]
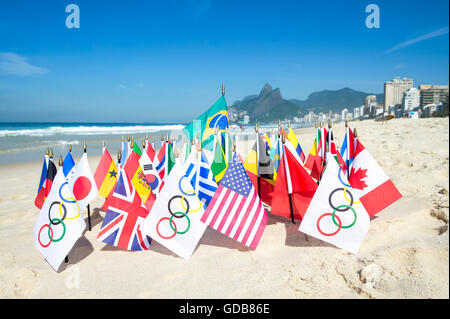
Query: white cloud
[
  {"x": 424, "y": 37},
  {"x": 11, "y": 63},
  {"x": 122, "y": 86}
]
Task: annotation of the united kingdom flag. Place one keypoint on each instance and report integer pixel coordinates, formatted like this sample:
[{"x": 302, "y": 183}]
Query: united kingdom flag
[{"x": 124, "y": 214}]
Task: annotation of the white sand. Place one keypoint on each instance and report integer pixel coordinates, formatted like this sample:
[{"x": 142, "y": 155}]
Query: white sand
[{"x": 405, "y": 254}]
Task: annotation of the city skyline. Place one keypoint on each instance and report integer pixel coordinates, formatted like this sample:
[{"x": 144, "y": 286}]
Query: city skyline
[{"x": 126, "y": 62}]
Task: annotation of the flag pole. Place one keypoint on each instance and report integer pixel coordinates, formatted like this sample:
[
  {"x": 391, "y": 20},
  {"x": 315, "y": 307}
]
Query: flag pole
[
  {"x": 286, "y": 170},
  {"x": 348, "y": 149},
  {"x": 257, "y": 160},
  {"x": 316, "y": 126},
  {"x": 88, "y": 206},
  {"x": 61, "y": 163}
]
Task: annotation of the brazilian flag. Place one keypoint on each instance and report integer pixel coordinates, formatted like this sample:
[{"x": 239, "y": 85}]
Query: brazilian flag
[{"x": 205, "y": 125}]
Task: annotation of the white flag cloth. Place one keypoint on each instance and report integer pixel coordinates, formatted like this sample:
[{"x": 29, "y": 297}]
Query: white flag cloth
[
  {"x": 83, "y": 183},
  {"x": 174, "y": 220},
  {"x": 59, "y": 224},
  {"x": 150, "y": 173},
  {"x": 335, "y": 214}
]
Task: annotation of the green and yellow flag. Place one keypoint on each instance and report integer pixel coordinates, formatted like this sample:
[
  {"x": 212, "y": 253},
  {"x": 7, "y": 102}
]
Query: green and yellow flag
[
  {"x": 136, "y": 149},
  {"x": 219, "y": 164},
  {"x": 170, "y": 157},
  {"x": 215, "y": 117}
]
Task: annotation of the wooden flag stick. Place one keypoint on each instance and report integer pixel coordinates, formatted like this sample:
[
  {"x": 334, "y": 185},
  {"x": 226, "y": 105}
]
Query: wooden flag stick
[
  {"x": 348, "y": 150},
  {"x": 61, "y": 163},
  {"x": 257, "y": 160},
  {"x": 88, "y": 206},
  {"x": 291, "y": 208}
]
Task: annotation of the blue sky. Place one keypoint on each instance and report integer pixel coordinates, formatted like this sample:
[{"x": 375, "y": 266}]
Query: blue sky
[{"x": 165, "y": 61}]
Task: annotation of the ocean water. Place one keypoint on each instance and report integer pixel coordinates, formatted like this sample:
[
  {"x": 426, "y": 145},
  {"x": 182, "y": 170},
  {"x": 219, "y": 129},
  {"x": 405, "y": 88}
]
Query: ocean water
[{"x": 27, "y": 142}]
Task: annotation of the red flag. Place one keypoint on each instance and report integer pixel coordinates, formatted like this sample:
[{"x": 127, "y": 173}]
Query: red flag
[
  {"x": 137, "y": 177},
  {"x": 303, "y": 186},
  {"x": 150, "y": 151},
  {"x": 316, "y": 169}
]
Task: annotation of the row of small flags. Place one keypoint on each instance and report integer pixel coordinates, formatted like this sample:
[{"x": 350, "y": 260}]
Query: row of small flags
[{"x": 161, "y": 196}]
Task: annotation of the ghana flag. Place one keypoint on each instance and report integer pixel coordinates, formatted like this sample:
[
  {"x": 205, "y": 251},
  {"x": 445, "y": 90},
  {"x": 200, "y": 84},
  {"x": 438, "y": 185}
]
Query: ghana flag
[{"x": 105, "y": 175}]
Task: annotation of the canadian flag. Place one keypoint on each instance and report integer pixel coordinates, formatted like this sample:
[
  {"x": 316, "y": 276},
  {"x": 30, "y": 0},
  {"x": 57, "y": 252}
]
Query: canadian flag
[{"x": 374, "y": 188}]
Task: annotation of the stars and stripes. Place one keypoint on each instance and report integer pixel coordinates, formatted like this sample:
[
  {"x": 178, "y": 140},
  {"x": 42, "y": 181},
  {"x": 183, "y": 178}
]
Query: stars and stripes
[{"x": 236, "y": 210}]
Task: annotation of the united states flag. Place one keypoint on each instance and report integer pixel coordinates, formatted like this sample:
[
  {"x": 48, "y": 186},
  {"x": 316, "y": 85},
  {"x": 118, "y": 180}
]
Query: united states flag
[{"x": 236, "y": 209}]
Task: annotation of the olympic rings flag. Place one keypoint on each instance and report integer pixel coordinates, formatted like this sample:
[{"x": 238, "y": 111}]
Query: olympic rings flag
[
  {"x": 59, "y": 224},
  {"x": 335, "y": 214},
  {"x": 174, "y": 220}
]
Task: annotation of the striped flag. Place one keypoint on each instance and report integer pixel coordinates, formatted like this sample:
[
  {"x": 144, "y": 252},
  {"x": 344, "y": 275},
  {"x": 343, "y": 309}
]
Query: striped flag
[
  {"x": 160, "y": 163},
  {"x": 277, "y": 155},
  {"x": 236, "y": 209},
  {"x": 105, "y": 175},
  {"x": 293, "y": 139},
  {"x": 40, "y": 197},
  {"x": 199, "y": 173},
  {"x": 348, "y": 147},
  {"x": 134, "y": 171}
]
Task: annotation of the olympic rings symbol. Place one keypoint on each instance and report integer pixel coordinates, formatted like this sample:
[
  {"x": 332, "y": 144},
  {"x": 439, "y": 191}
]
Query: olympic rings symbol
[
  {"x": 58, "y": 221},
  {"x": 340, "y": 179},
  {"x": 64, "y": 199},
  {"x": 181, "y": 189},
  {"x": 191, "y": 211},
  {"x": 184, "y": 203},
  {"x": 340, "y": 208},
  {"x": 348, "y": 200}
]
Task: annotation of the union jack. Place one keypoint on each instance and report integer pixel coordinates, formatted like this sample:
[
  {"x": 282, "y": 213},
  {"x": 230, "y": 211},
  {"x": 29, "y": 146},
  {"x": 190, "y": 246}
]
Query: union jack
[{"x": 125, "y": 212}]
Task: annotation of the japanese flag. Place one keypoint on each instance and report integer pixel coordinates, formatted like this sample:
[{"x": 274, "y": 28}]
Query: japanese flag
[{"x": 83, "y": 183}]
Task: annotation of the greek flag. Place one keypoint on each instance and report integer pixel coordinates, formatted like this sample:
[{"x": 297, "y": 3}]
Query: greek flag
[{"x": 198, "y": 172}]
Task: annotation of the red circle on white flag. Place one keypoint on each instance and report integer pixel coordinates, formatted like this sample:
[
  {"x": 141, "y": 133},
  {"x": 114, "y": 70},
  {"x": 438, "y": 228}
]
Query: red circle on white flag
[{"x": 82, "y": 187}]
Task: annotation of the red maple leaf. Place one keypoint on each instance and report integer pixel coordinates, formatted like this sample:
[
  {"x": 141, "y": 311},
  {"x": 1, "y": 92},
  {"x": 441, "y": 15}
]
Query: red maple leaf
[{"x": 356, "y": 178}]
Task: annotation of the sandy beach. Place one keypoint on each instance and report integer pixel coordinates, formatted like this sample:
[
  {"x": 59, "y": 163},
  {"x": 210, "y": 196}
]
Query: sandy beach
[{"x": 405, "y": 254}]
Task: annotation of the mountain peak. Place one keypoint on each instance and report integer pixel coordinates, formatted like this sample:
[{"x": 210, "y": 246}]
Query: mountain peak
[{"x": 266, "y": 89}]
